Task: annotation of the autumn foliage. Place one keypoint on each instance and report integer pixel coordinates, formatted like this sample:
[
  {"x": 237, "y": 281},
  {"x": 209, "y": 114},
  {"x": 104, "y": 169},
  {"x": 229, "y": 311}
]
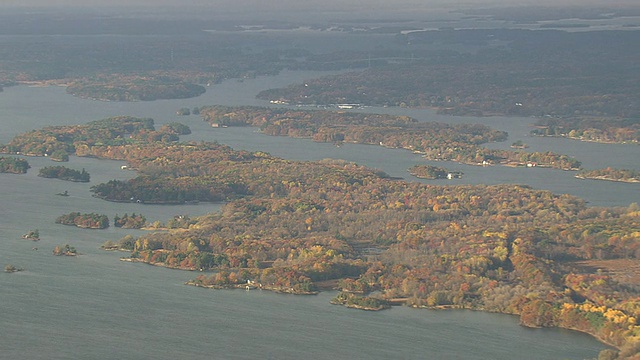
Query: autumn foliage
[{"x": 289, "y": 225}]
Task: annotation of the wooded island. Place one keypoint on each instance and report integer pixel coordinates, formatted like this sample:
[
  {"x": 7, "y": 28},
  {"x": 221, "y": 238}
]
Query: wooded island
[
  {"x": 86, "y": 221},
  {"x": 623, "y": 175},
  {"x": 64, "y": 173},
  {"x": 13, "y": 165}
]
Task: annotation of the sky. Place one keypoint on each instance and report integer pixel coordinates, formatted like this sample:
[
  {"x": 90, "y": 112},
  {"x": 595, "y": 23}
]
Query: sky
[
  {"x": 294, "y": 9},
  {"x": 301, "y": 4}
]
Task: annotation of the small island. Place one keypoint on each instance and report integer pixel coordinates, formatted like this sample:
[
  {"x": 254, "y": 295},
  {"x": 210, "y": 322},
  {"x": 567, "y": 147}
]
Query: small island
[
  {"x": 13, "y": 165},
  {"x": 65, "y": 250},
  {"x": 622, "y": 175},
  {"x": 433, "y": 172},
  {"x": 11, "y": 269},
  {"x": 360, "y": 302},
  {"x": 64, "y": 173},
  {"x": 519, "y": 145},
  {"x": 183, "y": 112},
  {"x": 85, "y": 221},
  {"x": 32, "y": 235}
]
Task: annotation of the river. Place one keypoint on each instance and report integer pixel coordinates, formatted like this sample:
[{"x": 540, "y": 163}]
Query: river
[{"x": 95, "y": 307}]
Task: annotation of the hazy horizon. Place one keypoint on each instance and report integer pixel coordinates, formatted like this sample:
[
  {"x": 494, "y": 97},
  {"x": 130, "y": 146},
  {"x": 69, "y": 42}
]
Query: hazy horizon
[{"x": 248, "y": 5}]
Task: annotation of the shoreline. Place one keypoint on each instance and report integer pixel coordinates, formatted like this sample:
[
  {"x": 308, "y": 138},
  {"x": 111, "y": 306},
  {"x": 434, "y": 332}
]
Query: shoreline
[
  {"x": 589, "y": 141},
  {"x": 604, "y": 178},
  {"x": 251, "y": 286}
]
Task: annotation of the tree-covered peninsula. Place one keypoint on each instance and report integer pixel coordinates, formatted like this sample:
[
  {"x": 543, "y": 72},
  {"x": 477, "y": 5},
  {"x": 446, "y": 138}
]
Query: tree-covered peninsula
[
  {"x": 292, "y": 226},
  {"x": 436, "y": 141},
  {"x": 595, "y": 129},
  {"x": 13, "y": 165},
  {"x": 79, "y": 139},
  {"x": 623, "y": 175},
  {"x": 64, "y": 173}
]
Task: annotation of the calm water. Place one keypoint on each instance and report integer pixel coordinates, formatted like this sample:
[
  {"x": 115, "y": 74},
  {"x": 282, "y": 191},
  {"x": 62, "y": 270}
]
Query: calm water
[{"x": 96, "y": 307}]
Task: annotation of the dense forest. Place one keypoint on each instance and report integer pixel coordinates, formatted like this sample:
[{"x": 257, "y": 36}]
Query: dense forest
[
  {"x": 64, "y": 173},
  {"x": 10, "y": 164},
  {"x": 435, "y": 141}
]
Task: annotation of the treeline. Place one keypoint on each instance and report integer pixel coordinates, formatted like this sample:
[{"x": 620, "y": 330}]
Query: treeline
[
  {"x": 86, "y": 221},
  {"x": 624, "y": 175},
  {"x": 64, "y": 173},
  {"x": 13, "y": 165},
  {"x": 436, "y": 141}
]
